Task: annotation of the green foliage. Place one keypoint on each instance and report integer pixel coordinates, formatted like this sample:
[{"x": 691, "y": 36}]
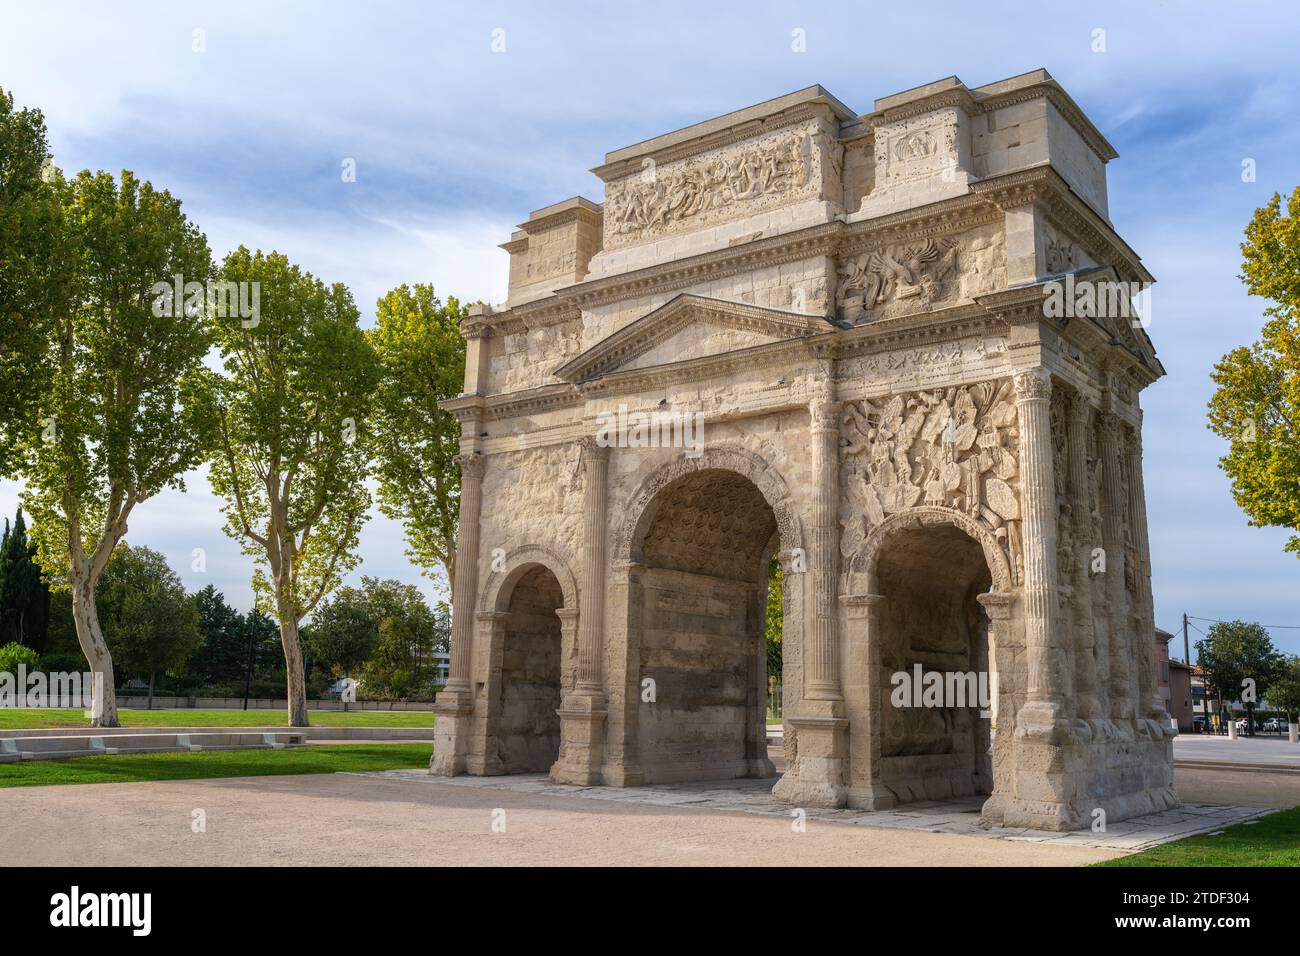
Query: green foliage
[
  {"x": 1234, "y": 651},
  {"x": 24, "y": 593},
  {"x": 13, "y": 654},
  {"x": 288, "y": 449},
  {"x": 118, "y": 430},
  {"x": 418, "y": 341},
  {"x": 384, "y": 632},
  {"x": 287, "y": 445},
  {"x": 1273, "y": 840},
  {"x": 343, "y": 631},
  {"x": 35, "y": 272},
  {"x": 149, "y": 622},
  {"x": 1285, "y": 692},
  {"x": 774, "y": 618},
  {"x": 116, "y": 406},
  {"x": 129, "y": 768},
  {"x": 1256, "y": 406}
]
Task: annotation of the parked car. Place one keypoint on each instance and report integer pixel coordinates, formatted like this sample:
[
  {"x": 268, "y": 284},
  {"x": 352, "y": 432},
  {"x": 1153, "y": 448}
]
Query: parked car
[
  {"x": 1200, "y": 724},
  {"x": 1275, "y": 725}
]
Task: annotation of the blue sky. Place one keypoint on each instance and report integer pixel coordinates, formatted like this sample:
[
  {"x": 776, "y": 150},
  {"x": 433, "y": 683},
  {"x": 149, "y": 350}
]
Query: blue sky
[{"x": 455, "y": 143}]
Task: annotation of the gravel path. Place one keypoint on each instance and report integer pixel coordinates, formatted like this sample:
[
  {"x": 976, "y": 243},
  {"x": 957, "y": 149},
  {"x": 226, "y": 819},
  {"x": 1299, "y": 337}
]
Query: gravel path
[{"x": 341, "y": 819}]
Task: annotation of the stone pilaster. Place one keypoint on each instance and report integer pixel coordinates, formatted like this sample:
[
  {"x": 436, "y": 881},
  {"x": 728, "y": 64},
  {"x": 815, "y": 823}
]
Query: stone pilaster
[
  {"x": 997, "y": 607},
  {"x": 1143, "y": 609},
  {"x": 455, "y": 704},
  {"x": 1085, "y": 663},
  {"x": 1114, "y": 507},
  {"x": 583, "y": 713},
  {"x": 866, "y": 678},
  {"x": 481, "y": 757},
  {"x": 1045, "y": 656}
]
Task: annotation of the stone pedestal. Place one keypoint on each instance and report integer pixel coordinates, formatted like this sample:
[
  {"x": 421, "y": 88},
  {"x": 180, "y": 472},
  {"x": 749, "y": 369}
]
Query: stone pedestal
[
  {"x": 820, "y": 777},
  {"x": 582, "y": 741},
  {"x": 451, "y": 732}
]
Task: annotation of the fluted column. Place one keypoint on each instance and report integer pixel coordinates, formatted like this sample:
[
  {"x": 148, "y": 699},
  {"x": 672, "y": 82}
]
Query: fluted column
[
  {"x": 455, "y": 703},
  {"x": 1038, "y": 510},
  {"x": 465, "y": 586},
  {"x": 1114, "y": 507},
  {"x": 1143, "y": 610},
  {"x": 823, "y": 681},
  {"x": 1085, "y": 662},
  {"x": 595, "y": 504}
]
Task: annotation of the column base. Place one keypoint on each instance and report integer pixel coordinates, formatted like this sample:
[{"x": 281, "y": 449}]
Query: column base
[
  {"x": 873, "y": 796},
  {"x": 582, "y": 741},
  {"x": 818, "y": 780}
]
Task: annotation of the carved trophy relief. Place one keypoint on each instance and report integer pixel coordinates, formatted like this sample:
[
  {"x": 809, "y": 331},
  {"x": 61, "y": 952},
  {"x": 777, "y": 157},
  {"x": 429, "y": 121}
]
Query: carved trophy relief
[
  {"x": 1059, "y": 256},
  {"x": 953, "y": 448},
  {"x": 1066, "y": 558},
  {"x": 703, "y": 189},
  {"x": 898, "y": 279}
]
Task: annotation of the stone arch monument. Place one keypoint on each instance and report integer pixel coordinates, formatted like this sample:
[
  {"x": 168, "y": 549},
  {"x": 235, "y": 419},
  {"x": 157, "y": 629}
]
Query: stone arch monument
[{"x": 892, "y": 349}]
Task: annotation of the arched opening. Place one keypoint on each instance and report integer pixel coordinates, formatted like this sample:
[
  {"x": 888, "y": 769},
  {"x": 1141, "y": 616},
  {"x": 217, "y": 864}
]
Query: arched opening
[
  {"x": 705, "y": 546},
  {"x": 940, "y": 704},
  {"x": 527, "y": 725}
]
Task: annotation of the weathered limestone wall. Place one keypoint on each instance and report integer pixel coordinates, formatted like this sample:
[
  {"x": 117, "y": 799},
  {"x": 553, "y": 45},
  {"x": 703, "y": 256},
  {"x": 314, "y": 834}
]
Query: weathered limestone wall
[{"x": 700, "y": 646}]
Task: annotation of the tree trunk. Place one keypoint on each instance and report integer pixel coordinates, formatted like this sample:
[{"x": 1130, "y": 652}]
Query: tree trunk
[
  {"x": 86, "y": 618},
  {"x": 151, "y": 677},
  {"x": 293, "y": 665}
]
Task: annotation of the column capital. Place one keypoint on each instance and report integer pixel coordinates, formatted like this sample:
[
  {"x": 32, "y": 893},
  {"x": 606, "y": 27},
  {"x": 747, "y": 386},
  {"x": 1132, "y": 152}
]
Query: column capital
[
  {"x": 1033, "y": 385},
  {"x": 997, "y": 604},
  {"x": 471, "y": 464},
  {"x": 591, "y": 450}
]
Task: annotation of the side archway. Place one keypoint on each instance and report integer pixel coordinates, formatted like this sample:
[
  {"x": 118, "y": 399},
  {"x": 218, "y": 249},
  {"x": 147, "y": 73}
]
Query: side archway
[
  {"x": 501, "y": 583},
  {"x": 527, "y": 626},
  {"x": 868, "y": 558}
]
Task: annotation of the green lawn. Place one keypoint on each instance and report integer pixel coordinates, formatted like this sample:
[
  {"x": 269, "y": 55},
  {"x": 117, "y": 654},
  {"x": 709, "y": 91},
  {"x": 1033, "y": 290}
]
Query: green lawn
[
  {"x": 20, "y": 718},
  {"x": 1273, "y": 840},
  {"x": 215, "y": 763}
]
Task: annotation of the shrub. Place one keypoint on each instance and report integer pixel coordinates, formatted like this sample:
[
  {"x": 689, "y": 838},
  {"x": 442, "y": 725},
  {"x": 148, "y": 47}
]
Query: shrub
[{"x": 14, "y": 654}]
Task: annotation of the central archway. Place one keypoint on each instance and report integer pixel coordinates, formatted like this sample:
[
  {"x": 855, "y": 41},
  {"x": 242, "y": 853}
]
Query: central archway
[{"x": 704, "y": 543}]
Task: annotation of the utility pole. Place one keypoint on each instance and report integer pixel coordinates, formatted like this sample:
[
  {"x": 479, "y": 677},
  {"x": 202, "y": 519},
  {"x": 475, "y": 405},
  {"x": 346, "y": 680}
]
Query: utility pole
[{"x": 1187, "y": 654}]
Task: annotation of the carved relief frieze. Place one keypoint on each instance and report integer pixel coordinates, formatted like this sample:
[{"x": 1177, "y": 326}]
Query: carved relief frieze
[
  {"x": 701, "y": 190},
  {"x": 898, "y": 279},
  {"x": 955, "y": 448}
]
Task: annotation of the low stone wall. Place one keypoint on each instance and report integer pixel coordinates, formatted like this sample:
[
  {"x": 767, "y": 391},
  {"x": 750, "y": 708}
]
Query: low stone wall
[{"x": 265, "y": 703}]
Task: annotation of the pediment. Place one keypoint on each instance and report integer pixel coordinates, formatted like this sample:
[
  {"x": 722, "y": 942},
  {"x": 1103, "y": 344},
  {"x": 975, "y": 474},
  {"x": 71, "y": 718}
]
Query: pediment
[{"x": 689, "y": 327}]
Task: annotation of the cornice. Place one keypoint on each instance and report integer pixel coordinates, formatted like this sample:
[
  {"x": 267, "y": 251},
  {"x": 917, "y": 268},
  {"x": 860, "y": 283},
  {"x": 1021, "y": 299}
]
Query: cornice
[
  {"x": 958, "y": 96},
  {"x": 803, "y": 113}
]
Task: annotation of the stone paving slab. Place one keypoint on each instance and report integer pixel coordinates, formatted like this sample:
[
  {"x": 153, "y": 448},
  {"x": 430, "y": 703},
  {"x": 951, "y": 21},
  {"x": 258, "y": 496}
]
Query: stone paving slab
[{"x": 957, "y": 816}]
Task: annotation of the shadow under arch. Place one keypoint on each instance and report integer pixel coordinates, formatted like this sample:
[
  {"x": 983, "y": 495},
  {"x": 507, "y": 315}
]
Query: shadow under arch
[
  {"x": 867, "y": 559},
  {"x": 517, "y": 562},
  {"x": 643, "y": 504}
]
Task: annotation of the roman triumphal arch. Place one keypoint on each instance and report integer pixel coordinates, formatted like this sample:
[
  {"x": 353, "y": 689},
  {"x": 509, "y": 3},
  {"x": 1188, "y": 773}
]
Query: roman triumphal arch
[{"x": 892, "y": 352}]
